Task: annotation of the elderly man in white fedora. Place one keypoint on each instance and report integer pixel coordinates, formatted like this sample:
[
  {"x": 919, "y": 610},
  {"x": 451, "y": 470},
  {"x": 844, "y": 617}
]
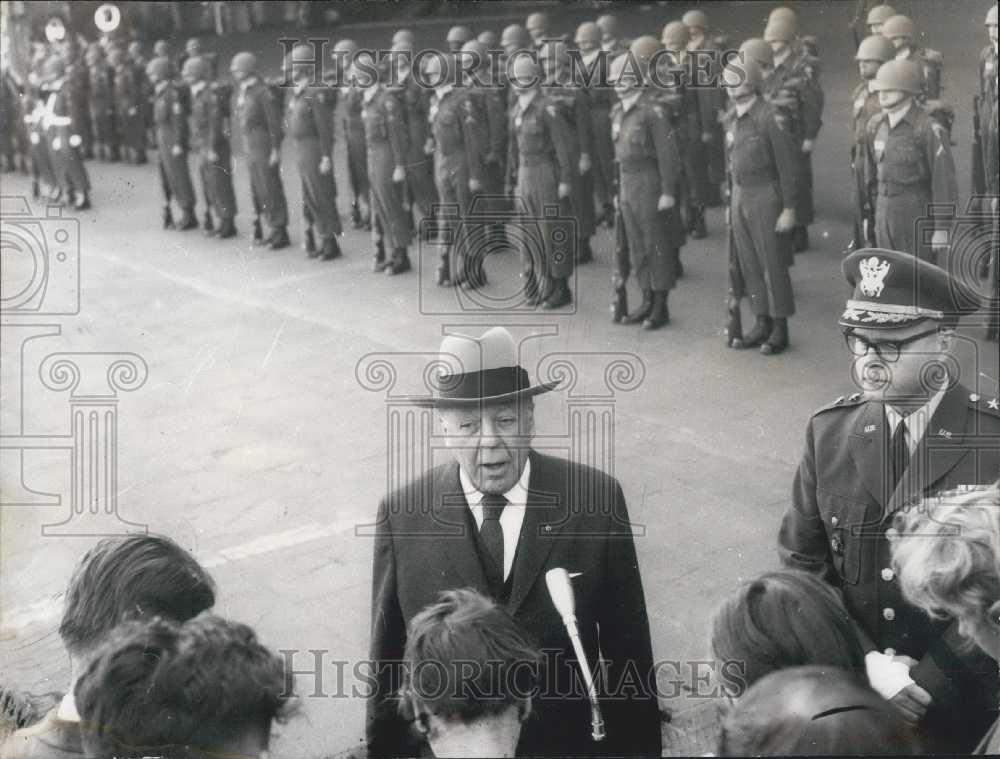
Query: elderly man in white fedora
[{"x": 497, "y": 518}]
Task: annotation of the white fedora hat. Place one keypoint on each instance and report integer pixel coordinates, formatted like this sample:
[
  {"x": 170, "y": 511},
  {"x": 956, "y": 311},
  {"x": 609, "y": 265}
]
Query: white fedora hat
[{"x": 481, "y": 371}]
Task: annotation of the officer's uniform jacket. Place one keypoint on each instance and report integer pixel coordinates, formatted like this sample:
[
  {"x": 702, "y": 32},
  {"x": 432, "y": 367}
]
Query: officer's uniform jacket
[
  {"x": 988, "y": 67},
  {"x": 492, "y": 118},
  {"x": 539, "y": 133},
  {"x": 385, "y": 124},
  {"x": 59, "y": 112},
  {"x": 840, "y": 522},
  {"x": 644, "y": 139},
  {"x": 170, "y": 117},
  {"x": 761, "y": 150},
  {"x": 794, "y": 88},
  {"x": 259, "y": 116},
  {"x": 864, "y": 107},
  {"x": 457, "y": 131},
  {"x": 209, "y": 117},
  {"x": 310, "y": 116}
]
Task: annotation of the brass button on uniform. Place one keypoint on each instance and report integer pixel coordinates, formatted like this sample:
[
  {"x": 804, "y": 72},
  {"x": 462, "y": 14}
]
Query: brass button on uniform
[
  {"x": 834, "y": 521},
  {"x": 888, "y": 614},
  {"x": 888, "y": 575}
]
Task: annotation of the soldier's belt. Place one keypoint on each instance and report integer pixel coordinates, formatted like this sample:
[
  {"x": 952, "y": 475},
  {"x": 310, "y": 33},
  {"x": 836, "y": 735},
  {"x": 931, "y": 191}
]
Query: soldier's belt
[
  {"x": 891, "y": 189},
  {"x": 754, "y": 178},
  {"x": 637, "y": 165},
  {"x": 536, "y": 159}
]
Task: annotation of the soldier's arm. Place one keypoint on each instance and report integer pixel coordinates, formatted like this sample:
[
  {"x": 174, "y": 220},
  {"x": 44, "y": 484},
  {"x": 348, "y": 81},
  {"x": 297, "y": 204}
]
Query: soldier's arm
[
  {"x": 179, "y": 115},
  {"x": 272, "y": 116},
  {"x": 944, "y": 185},
  {"x": 559, "y": 133},
  {"x": 785, "y": 153},
  {"x": 396, "y": 124},
  {"x": 471, "y": 137},
  {"x": 581, "y": 105},
  {"x": 497, "y": 122},
  {"x": 322, "y": 112},
  {"x": 812, "y": 100},
  {"x": 667, "y": 152},
  {"x": 933, "y": 63}
]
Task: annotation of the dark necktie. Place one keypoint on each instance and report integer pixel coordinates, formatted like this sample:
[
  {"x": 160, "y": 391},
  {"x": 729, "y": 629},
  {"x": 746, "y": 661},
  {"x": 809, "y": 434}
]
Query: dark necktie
[
  {"x": 490, "y": 531},
  {"x": 899, "y": 453}
]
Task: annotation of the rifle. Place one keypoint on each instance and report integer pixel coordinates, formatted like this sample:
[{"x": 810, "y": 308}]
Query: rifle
[
  {"x": 737, "y": 286},
  {"x": 859, "y": 12},
  {"x": 978, "y": 154}
]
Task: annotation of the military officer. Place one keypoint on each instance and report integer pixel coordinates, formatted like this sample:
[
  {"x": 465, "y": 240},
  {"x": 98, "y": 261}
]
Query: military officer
[
  {"x": 259, "y": 121},
  {"x": 354, "y": 132},
  {"x": 902, "y": 32},
  {"x": 102, "y": 112},
  {"x": 537, "y": 25},
  {"x": 794, "y": 88},
  {"x": 908, "y": 435},
  {"x": 764, "y": 175},
  {"x": 210, "y": 138},
  {"x": 649, "y": 171},
  {"x": 872, "y": 53},
  {"x": 711, "y": 99},
  {"x": 455, "y": 141},
  {"x": 877, "y": 16},
  {"x": 540, "y": 168},
  {"x": 172, "y": 143},
  {"x": 131, "y": 88},
  {"x": 588, "y": 39},
  {"x": 386, "y": 140},
  {"x": 310, "y": 125},
  {"x": 64, "y": 141},
  {"x": 574, "y": 105},
  {"x": 989, "y": 149},
  {"x": 612, "y": 41},
  {"x": 908, "y": 165},
  {"x": 416, "y": 101}
]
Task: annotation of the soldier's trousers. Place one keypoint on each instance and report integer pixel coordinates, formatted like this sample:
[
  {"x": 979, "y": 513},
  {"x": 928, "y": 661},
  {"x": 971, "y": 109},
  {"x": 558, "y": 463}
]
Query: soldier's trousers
[
  {"x": 319, "y": 191},
  {"x": 134, "y": 133},
  {"x": 581, "y": 198},
  {"x": 217, "y": 183},
  {"x": 176, "y": 177},
  {"x": 103, "y": 128},
  {"x": 896, "y": 219},
  {"x": 451, "y": 177},
  {"x": 266, "y": 188},
  {"x": 357, "y": 160},
  {"x": 805, "y": 210},
  {"x": 42, "y": 168},
  {"x": 538, "y": 189},
  {"x": 754, "y": 211},
  {"x": 696, "y": 171},
  {"x": 387, "y": 197},
  {"x": 602, "y": 158},
  {"x": 420, "y": 180},
  {"x": 70, "y": 171},
  {"x": 652, "y": 252}
]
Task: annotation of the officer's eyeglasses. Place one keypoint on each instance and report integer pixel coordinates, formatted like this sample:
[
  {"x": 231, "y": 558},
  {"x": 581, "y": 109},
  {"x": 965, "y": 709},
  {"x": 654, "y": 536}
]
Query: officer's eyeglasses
[{"x": 887, "y": 350}]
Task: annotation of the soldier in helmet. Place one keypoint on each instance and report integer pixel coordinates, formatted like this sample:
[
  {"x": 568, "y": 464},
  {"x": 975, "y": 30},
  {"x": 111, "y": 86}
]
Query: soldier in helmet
[
  {"x": 872, "y": 53},
  {"x": 64, "y": 142},
  {"x": 489, "y": 39},
  {"x": 514, "y": 38},
  {"x": 387, "y": 143},
  {"x": 649, "y": 178},
  {"x": 170, "y": 128},
  {"x": 132, "y": 97},
  {"x": 989, "y": 149},
  {"x": 877, "y": 16},
  {"x": 908, "y": 165},
  {"x": 540, "y": 168},
  {"x": 574, "y": 105},
  {"x": 259, "y": 120},
  {"x": 210, "y": 135},
  {"x": 612, "y": 41},
  {"x": 404, "y": 36},
  {"x": 764, "y": 171},
  {"x": 902, "y": 33},
  {"x": 102, "y": 108},
  {"x": 193, "y": 49},
  {"x": 354, "y": 132},
  {"x": 711, "y": 99},
  {"x": 588, "y": 39},
  {"x": 537, "y": 25},
  {"x": 455, "y": 142},
  {"x": 416, "y": 102},
  {"x": 457, "y": 37}
]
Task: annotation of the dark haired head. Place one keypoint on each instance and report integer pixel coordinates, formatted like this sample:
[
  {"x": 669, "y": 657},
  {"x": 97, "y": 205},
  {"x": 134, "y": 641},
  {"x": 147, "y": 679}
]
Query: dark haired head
[
  {"x": 178, "y": 690},
  {"x": 814, "y": 711},
  {"x": 785, "y": 618},
  {"x": 466, "y": 659},
  {"x": 133, "y": 577}
]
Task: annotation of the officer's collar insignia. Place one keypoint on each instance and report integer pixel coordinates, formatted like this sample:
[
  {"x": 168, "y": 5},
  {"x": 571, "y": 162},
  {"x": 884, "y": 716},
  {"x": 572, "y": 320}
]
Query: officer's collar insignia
[
  {"x": 873, "y": 274},
  {"x": 871, "y": 427},
  {"x": 994, "y": 404},
  {"x": 945, "y": 433}
]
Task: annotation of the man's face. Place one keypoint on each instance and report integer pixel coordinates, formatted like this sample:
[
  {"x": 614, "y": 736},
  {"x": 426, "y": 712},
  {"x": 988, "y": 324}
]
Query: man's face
[
  {"x": 868, "y": 69},
  {"x": 538, "y": 33},
  {"x": 239, "y": 75},
  {"x": 917, "y": 373},
  {"x": 991, "y": 31},
  {"x": 490, "y": 443},
  {"x": 891, "y": 98},
  {"x": 900, "y": 41},
  {"x": 875, "y": 28},
  {"x": 589, "y": 46},
  {"x": 778, "y": 46}
]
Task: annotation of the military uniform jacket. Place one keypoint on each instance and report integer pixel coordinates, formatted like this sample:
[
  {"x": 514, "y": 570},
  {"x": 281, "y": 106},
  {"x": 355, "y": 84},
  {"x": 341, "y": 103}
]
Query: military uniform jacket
[
  {"x": 385, "y": 124},
  {"x": 842, "y": 511},
  {"x": 931, "y": 63},
  {"x": 210, "y": 117},
  {"x": 865, "y": 107},
  {"x": 794, "y": 88},
  {"x": 539, "y": 133},
  {"x": 988, "y": 66},
  {"x": 711, "y": 99},
  {"x": 761, "y": 150},
  {"x": 493, "y": 120},
  {"x": 644, "y": 139},
  {"x": 257, "y": 111},
  {"x": 416, "y": 103},
  {"x": 456, "y": 130},
  {"x": 574, "y": 106},
  {"x": 310, "y": 116},
  {"x": 101, "y": 87},
  {"x": 170, "y": 117},
  {"x": 913, "y": 156},
  {"x": 681, "y": 102}
]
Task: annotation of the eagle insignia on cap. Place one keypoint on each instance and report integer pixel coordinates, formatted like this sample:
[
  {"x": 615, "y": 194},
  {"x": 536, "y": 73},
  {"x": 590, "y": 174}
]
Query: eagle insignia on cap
[{"x": 873, "y": 274}]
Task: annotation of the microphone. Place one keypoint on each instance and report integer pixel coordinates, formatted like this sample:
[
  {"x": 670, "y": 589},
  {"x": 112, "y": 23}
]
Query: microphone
[{"x": 561, "y": 593}]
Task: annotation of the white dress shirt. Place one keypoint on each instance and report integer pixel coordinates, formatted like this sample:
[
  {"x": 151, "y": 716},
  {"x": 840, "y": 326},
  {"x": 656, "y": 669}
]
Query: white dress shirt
[
  {"x": 512, "y": 516},
  {"x": 916, "y": 422}
]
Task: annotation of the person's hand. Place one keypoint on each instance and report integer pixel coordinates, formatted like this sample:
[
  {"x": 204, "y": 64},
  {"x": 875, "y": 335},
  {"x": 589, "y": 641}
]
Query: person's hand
[
  {"x": 886, "y": 675},
  {"x": 665, "y": 203},
  {"x": 584, "y": 163},
  {"x": 706, "y": 137},
  {"x": 614, "y": 201},
  {"x": 564, "y": 189},
  {"x": 912, "y": 702},
  {"x": 939, "y": 240},
  {"x": 177, "y": 150},
  {"x": 807, "y": 146},
  {"x": 57, "y": 144},
  {"x": 275, "y": 158},
  {"x": 133, "y": 111},
  {"x": 475, "y": 185},
  {"x": 429, "y": 146},
  {"x": 398, "y": 174},
  {"x": 212, "y": 156},
  {"x": 786, "y": 221},
  {"x": 325, "y": 165}
]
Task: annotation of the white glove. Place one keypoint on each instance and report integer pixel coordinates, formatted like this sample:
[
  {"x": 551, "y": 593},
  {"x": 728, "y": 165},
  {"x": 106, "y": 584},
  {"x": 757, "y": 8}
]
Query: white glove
[
  {"x": 275, "y": 158},
  {"x": 665, "y": 203},
  {"x": 564, "y": 189},
  {"x": 807, "y": 146},
  {"x": 176, "y": 150},
  {"x": 57, "y": 144},
  {"x": 325, "y": 165},
  {"x": 475, "y": 185},
  {"x": 786, "y": 222},
  {"x": 398, "y": 174},
  {"x": 584, "y": 163},
  {"x": 886, "y": 675}
]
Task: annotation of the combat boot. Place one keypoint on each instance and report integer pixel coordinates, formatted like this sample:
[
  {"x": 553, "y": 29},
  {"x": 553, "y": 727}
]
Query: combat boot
[
  {"x": 227, "y": 229},
  {"x": 444, "y": 271},
  {"x": 642, "y": 313},
  {"x": 659, "y": 315},
  {"x": 207, "y": 224},
  {"x": 331, "y": 248},
  {"x": 778, "y": 340},
  {"x": 168, "y": 218},
  {"x": 188, "y": 221},
  {"x": 619, "y": 305},
  {"x": 355, "y": 215},
  {"x": 310, "y": 243},
  {"x": 82, "y": 201},
  {"x": 800, "y": 239},
  {"x": 400, "y": 262},
  {"x": 560, "y": 295},
  {"x": 698, "y": 231},
  {"x": 279, "y": 239},
  {"x": 758, "y": 334},
  {"x": 379, "y": 264},
  {"x": 584, "y": 255},
  {"x": 258, "y": 231}
]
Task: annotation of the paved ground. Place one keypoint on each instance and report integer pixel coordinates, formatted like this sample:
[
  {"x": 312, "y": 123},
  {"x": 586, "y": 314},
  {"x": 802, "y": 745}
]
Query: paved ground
[{"x": 254, "y": 444}]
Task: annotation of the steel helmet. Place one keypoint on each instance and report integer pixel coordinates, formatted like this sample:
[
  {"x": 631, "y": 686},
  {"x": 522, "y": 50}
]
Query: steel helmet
[
  {"x": 899, "y": 26},
  {"x": 476, "y": 51},
  {"x": 403, "y": 34},
  {"x": 193, "y": 46},
  {"x": 161, "y": 49},
  {"x": 904, "y": 76},
  {"x": 758, "y": 51},
  {"x": 645, "y": 47},
  {"x": 488, "y": 38},
  {"x": 608, "y": 24},
  {"x": 402, "y": 46},
  {"x": 158, "y": 68},
  {"x": 135, "y": 48},
  {"x": 459, "y": 35},
  {"x": 515, "y": 35},
  {"x": 695, "y": 19},
  {"x": 588, "y": 31},
  {"x": 991, "y": 16},
  {"x": 345, "y": 46},
  {"x": 783, "y": 13},
  {"x": 875, "y": 48},
  {"x": 880, "y": 14},
  {"x": 196, "y": 68},
  {"x": 537, "y": 22},
  {"x": 779, "y": 30},
  {"x": 245, "y": 62},
  {"x": 675, "y": 36}
]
